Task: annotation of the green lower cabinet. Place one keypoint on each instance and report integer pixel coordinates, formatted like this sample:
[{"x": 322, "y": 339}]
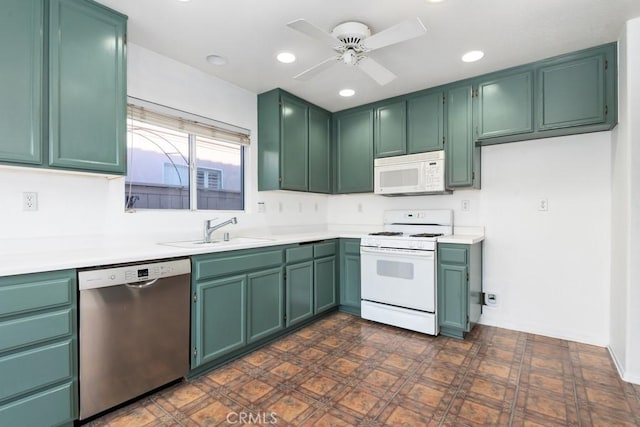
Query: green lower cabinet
[
  {"x": 459, "y": 288},
  {"x": 265, "y": 303},
  {"x": 299, "y": 292},
  {"x": 350, "y": 300},
  {"x": 38, "y": 349},
  {"x": 219, "y": 318},
  {"x": 324, "y": 278}
]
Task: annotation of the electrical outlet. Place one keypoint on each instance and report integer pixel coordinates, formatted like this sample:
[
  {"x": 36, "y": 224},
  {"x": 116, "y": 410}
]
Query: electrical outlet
[
  {"x": 30, "y": 201},
  {"x": 543, "y": 205},
  {"x": 300, "y": 207},
  {"x": 315, "y": 207},
  {"x": 465, "y": 204},
  {"x": 491, "y": 300},
  {"x": 360, "y": 207},
  {"x": 261, "y": 207}
]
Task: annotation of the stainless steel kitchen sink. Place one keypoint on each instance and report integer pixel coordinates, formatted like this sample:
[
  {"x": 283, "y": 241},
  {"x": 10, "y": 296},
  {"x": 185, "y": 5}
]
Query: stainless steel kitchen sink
[{"x": 233, "y": 241}]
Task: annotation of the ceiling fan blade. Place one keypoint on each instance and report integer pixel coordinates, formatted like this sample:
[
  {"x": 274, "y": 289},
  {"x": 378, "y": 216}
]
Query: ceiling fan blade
[
  {"x": 376, "y": 71},
  {"x": 305, "y": 27},
  {"x": 316, "y": 69},
  {"x": 405, "y": 30}
]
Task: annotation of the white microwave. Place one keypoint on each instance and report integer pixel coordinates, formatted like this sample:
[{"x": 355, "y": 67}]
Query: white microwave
[{"x": 411, "y": 174}]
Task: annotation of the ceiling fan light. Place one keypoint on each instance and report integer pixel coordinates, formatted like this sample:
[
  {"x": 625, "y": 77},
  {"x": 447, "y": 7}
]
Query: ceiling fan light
[
  {"x": 347, "y": 92},
  {"x": 472, "y": 56},
  {"x": 286, "y": 57}
]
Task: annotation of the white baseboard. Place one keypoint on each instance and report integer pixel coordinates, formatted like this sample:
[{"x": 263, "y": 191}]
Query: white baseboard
[{"x": 630, "y": 378}]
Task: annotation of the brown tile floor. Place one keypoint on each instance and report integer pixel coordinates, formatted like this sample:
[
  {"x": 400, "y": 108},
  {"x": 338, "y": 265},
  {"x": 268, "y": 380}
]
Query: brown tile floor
[{"x": 344, "y": 371}]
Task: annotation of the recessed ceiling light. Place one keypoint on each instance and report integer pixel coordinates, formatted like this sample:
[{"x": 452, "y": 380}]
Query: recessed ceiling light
[
  {"x": 184, "y": 1},
  {"x": 286, "y": 57},
  {"x": 216, "y": 59},
  {"x": 472, "y": 56},
  {"x": 347, "y": 92},
  {"x": 434, "y": 1}
]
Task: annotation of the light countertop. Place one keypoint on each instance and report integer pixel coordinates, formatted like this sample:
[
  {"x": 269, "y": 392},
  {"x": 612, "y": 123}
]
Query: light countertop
[{"x": 38, "y": 255}]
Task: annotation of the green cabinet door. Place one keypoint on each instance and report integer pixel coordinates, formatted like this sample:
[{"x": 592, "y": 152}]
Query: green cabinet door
[
  {"x": 390, "y": 130},
  {"x": 572, "y": 92},
  {"x": 459, "y": 147},
  {"x": 299, "y": 292},
  {"x": 295, "y": 144},
  {"x": 324, "y": 273},
  {"x": 21, "y": 74},
  {"x": 218, "y": 318},
  {"x": 452, "y": 297},
  {"x": 425, "y": 122},
  {"x": 505, "y": 105},
  {"x": 87, "y": 89},
  {"x": 319, "y": 151},
  {"x": 350, "y": 275},
  {"x": 354, "y": 151},
  {"x": 265, "y": 303}
]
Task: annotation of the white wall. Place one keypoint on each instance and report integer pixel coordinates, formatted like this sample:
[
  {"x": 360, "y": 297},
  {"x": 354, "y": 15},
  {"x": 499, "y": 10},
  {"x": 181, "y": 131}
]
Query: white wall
[
  {"x": 550, "y": 269},
  {"x": 625, "y": 247},
  {"x": 77, "y": 205}
]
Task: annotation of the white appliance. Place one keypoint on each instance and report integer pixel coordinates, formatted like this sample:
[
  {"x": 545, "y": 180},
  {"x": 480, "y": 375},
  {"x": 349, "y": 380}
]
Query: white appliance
[
  {"x": 421, "y": 173},
  {"x": 398, "y": 269}
]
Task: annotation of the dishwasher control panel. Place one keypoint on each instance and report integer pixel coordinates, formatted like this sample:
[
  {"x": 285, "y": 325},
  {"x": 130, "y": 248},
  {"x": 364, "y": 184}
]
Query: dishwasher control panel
[{"x": 112, "y": 276}]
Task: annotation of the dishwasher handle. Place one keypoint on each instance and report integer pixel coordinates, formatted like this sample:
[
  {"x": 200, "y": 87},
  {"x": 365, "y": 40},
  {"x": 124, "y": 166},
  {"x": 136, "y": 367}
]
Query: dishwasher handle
[{"x": 142, "y": 285}]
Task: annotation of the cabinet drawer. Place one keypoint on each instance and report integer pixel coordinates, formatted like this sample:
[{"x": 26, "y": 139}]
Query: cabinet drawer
[
  {"x": 51, "y": 407},
  {"x": 324, "y": 249},
  {"x": 20, "y": 294},
  {"x": 38, "y": 367},
  {"x": 450, "y": 254},
  {"x": 352, "y": 247},
  {"x": 301, "y": 253},
  {"x": 241, "y": 263},
  {"x": 29, "y": 330}
]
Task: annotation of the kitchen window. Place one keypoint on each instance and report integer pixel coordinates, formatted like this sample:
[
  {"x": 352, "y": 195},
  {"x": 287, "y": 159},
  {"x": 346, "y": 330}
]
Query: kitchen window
[{"x": 180, "y": 161}]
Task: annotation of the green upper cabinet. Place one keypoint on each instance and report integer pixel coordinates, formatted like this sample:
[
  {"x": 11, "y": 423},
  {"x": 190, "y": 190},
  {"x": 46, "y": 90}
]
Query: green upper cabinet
[
  {"x": 390, "y": 129},
  {"x": 425, "y": 122},
  {"x": 572, "y": 92},
  {"x": 87, "y": 73},
  {"x": 294, "y": 152},
  {"x": 505, "y": 105},
  {"x": 291, "y": 133},
  {"x": 83, "y": 85},
  {"x": 319, "y": 150},
  {"x": 461, "y": 155},
  {"x": 21, "y": 68},
  {"x": 353, "y": 138},
  {"x": 565, "y": 95}
]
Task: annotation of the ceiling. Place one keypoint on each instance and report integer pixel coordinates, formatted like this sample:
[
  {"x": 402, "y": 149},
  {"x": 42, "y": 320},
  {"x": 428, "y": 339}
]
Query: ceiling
[{"x": 249, "y": 33}]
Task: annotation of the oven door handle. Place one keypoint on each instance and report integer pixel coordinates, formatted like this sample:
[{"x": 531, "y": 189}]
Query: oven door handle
[{"x": 397, "y": 252}]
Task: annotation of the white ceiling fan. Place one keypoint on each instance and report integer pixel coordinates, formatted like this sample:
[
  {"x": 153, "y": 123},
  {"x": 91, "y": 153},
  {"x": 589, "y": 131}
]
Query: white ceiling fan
[{"x": 353, "y": 41}]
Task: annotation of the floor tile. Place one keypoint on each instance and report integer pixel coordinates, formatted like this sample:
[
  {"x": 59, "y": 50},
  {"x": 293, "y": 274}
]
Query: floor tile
[{"x": 346, "y": 371}]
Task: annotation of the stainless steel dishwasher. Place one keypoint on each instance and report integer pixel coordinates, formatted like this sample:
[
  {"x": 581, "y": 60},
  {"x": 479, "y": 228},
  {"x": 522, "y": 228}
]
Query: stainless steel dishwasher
[{"x": 134, "y": 331}]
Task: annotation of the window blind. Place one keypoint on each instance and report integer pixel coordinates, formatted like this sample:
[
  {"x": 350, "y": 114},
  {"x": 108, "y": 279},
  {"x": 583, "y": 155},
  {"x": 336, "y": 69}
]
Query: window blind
[{"x": 179, "y": 120}]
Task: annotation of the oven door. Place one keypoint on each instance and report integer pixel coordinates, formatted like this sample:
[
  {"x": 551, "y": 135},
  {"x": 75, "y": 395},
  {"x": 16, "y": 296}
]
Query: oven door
[{"x": 399, "y": 277}]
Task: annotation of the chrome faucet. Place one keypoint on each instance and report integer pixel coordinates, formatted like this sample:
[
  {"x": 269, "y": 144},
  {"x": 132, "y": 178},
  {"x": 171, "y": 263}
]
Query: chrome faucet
[{"x": 210, "y": 228}]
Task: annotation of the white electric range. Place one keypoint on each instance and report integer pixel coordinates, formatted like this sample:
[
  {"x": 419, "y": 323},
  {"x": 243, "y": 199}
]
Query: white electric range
[{"x": 398, "y": 269}]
